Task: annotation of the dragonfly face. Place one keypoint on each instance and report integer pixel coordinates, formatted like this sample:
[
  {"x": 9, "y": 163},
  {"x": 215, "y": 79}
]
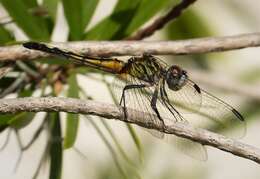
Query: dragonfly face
[{"x": 176, "y": 78}]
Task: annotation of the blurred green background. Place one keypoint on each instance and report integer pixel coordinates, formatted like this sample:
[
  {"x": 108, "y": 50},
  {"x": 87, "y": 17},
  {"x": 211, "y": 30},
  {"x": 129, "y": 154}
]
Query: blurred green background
[{"x": 73, "y": 146}]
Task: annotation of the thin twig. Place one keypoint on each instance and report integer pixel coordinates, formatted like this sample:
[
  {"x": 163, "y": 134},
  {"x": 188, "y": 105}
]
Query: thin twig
[
  {"x": 119, "y": 48},
  {"x": 160, "y": 22},
  {"x": 112, "y": 112},
  {"x": 6, "y": 22}
]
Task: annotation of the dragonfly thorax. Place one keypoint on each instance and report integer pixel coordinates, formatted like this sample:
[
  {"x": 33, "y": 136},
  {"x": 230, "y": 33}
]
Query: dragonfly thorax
[{"x": 176, "y": 78}]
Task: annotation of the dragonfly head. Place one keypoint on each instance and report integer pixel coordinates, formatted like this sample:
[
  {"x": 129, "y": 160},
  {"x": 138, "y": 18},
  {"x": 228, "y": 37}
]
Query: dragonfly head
[{"x": 176, "y": 77}]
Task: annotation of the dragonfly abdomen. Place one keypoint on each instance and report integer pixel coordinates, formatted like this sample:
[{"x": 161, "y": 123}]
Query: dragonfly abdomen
[{"x": 112, "y": 66}]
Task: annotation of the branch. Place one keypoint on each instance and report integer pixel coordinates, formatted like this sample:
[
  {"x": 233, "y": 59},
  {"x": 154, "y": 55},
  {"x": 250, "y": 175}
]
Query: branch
[
  {"x": 117, "y": 48},
  {"x": 71, "y": 105},
  {"x": 162, "y": 21},
  {"x": 6, "y": 22}
]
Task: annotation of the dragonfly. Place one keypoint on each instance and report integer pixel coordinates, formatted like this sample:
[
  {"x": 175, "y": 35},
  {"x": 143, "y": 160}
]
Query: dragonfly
[{"x": 166, "y": 93}]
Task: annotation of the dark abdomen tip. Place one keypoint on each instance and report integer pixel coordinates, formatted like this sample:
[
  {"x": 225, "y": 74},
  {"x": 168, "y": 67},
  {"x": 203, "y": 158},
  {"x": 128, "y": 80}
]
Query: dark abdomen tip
[
  {"x": 197, "y": 88},
  {"x": 33, "y": 45}
]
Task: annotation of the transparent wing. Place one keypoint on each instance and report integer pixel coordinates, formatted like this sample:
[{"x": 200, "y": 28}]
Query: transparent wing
[
  {"x": 215, "y": 114},
  {"x": 140, "y": 99},
  {"x": 193, "y": 149},
  {"x": 222, "y": 115}
]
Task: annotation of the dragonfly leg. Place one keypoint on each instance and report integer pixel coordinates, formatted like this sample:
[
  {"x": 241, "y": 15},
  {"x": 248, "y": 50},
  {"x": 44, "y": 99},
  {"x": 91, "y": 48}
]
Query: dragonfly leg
[
  {"x": 128, "y": 87},
  {"x": 166, "y": 104},
  {"x": 153, "y": 104},
  {"x": 169, "y": 106}
]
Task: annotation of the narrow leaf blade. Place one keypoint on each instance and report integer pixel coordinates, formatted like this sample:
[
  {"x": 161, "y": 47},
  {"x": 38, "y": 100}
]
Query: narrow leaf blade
[
  {"x": 34, "y": 27},
  {"x": 146, "y": 10},
  {"x": 5, "y": 36},
  {"x": 51, "y": 6},
  {"x": 21, "y": 120},
  {"x": 118, "y": 20},
  {"x": 89, "y": 7},
  {"x": 78, "y": 14},
  {"x": 55, "y": 146},
  {"x": 126, "y": 18},
  {"x": 72, "y": 119}
]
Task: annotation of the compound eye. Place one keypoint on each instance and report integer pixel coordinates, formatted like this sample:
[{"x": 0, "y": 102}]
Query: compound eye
[{"x": 175, "y": 72}]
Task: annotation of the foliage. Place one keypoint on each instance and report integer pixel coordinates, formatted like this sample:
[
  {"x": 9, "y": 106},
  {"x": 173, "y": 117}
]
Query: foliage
[{"x": 37, "y": 22}]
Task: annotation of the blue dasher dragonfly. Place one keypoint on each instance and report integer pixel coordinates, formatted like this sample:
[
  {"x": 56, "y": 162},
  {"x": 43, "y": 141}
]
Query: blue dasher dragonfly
[{"x": 150, "y": 85}]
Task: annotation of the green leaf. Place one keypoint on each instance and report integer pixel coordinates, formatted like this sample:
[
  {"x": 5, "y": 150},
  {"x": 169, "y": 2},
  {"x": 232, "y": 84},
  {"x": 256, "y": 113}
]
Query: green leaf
[
  {"x": 34, "y": 27},
  {"x": 51, "y": 6},
  {"x": 73, "y": 90},
  {"x": 55, "y": 146},
  {"x": 30, "y": 3},
  {"x": 126, "y": 18},
  {"x": 48, "y": 11},
  {"x": 190, "y": 25},
  {"x": 145, "y": 11},
  {"x": 82, "y": 70},
  {"x": 117, "y": 21},
  {"x": 5, "y": 118},
  {"x": 78, "y": 13},
  {"x": 72, "y": 119},
  {"x": 88, "y": 11},
  {"x": 5, "y": 36},
  {"x": 21, "y": 120}
]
